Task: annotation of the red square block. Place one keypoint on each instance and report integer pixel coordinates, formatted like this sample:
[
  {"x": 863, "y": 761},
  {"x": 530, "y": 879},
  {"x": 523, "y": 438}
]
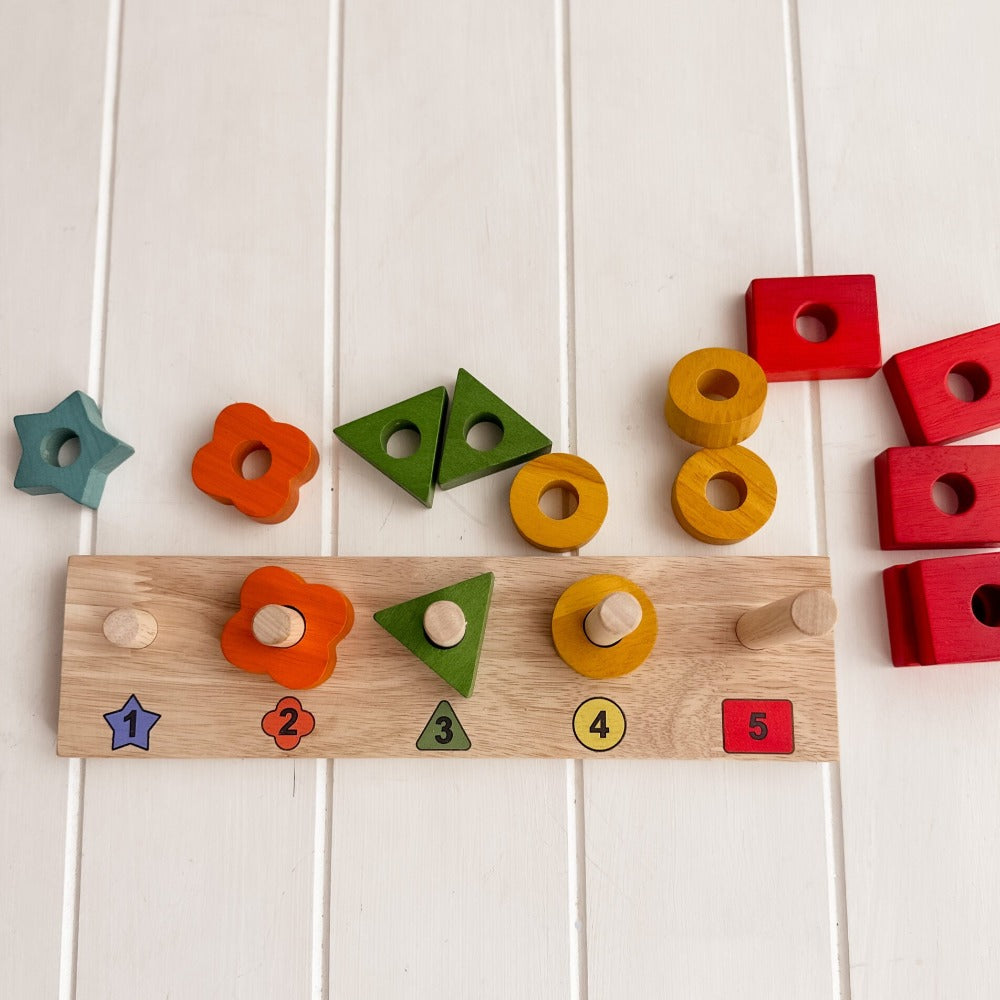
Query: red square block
[
  {"x": 843, "y": 307},
  {"x": 944, "y": 610},
  {"x": 750, "y": 726},
  {"x": 918, "y": 380},
  {"x": 909, "y": 517}
]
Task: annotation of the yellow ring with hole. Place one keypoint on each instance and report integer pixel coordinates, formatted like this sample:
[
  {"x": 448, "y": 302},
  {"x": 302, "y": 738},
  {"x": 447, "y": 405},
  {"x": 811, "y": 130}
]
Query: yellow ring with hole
[
  {"x": 755, "y": 485},
  {"x": 715, "y": 397},
  {"x": 558, "y": 471},
  {"x": 578, "y": 651}
]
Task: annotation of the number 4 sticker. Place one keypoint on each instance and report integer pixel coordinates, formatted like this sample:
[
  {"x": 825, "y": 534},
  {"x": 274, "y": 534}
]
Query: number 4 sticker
[{"x": 757, "y": 726}]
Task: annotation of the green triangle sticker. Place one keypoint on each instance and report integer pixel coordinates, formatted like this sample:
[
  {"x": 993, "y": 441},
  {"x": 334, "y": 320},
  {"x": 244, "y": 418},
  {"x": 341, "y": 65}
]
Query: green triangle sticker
[
  {"x": 457, "y": 665},
  {"x": 369, "y": 437},
  {"x": 443, "y": 731},
  {"x": 473, "y": 404}
]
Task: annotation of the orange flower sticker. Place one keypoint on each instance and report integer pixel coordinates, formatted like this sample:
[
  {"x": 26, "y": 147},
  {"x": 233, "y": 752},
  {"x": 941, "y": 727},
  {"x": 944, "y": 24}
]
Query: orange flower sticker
[
  {"x": 327, "y": 615},
  {"x": 240, "y": 430},
  {"x": 288, "y": 722}
]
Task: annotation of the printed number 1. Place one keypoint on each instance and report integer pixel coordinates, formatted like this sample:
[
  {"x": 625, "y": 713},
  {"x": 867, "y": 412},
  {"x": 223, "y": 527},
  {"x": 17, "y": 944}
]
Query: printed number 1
[
  {"x": 131, "y": 720},
  {"x": 600, "y": 725},
  {"x": 758, "y": 727},
  {"x": 446, "y": 735}
]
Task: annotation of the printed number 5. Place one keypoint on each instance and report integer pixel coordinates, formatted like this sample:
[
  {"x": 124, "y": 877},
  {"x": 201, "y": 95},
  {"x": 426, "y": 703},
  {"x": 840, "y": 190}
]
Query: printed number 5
[
  {"x": 758, "y": 727},
  {"x": 446, "y": 735}
]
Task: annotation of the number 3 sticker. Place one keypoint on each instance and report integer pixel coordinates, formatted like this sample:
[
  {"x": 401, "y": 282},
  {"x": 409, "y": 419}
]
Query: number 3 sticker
[
  {"x": 757, "y": 726},
  {"x": 599, "y": 724}
]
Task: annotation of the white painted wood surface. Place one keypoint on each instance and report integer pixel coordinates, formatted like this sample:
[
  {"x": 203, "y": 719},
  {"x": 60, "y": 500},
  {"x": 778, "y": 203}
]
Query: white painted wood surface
[{"x": 323, "y": 209}]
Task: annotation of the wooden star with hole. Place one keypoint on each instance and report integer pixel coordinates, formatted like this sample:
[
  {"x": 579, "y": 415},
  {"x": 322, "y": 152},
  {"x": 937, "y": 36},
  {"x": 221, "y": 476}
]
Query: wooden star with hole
[{"x": 43, "y": 434}]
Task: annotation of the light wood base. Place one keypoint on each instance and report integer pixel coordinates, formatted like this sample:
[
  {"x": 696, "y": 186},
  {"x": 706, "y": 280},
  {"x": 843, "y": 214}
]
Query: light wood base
[{"x": 380, "y": 697}]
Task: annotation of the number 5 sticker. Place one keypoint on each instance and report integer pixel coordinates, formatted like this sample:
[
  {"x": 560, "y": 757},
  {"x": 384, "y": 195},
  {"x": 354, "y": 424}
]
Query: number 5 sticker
[{"x": 757, "y": 726}]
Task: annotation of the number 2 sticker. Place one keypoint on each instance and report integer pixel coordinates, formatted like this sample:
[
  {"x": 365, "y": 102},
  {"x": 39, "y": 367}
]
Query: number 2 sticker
[{"x": 757, "y": 726}]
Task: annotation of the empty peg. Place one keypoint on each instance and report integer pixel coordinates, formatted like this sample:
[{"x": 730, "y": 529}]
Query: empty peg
[
  {"x": 617, "y": 616},
  {"x": 278, "y": 626},
  {"x": 807, "y": 614},
  {"x": 130, "y": 628},
  {"x": 444, "y": 624}
]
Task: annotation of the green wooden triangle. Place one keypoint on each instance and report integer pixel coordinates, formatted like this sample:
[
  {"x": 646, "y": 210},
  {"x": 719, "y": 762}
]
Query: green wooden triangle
[
  {"x": 472, "y": 404},
  {"x": 369, "y": 436},
  {"x": 443, "y": 731},
  {"x": 457, "y": 665}
]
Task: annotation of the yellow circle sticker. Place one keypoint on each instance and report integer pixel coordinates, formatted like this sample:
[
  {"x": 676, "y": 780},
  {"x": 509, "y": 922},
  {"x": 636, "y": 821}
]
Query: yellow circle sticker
[{"x": 599, "y": 724}]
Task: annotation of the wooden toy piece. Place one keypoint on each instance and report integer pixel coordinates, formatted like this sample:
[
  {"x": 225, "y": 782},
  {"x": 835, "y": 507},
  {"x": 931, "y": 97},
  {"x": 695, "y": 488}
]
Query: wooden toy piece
[
  {"x": 328, "y": 617},
  {"x": 748, "y": 473},
  {"x": 715, "y": 397},
  {"x": 456, "y": 664},
  {"x": 944, "y": 610},
  {"x": 570, "y": 634},
  {"x": 617, "y": 616},
  {"x": 42, "y": 435},
  {"x": 908, "y": 514},
  {"x": 805, "y": 615},
  {"x": 843, "y": 307},
  {"x": 444, "y": 624},
  {"x": 474, "y": 404},
  {"x": 369, "y": 437},
  {"x": 130, "y": 628},
  {"x": 558, "y": 471},
  {"x": 278, "y": 625},
  {"x": 919, "y": 382},
  {"x": 240, "y": 430}
]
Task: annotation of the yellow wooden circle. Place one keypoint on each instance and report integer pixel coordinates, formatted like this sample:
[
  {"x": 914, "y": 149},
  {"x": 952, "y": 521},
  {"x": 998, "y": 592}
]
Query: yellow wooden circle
[
  {"x": 568, "y": 472},
  {"x": 754, "y": 483},
  {"x": 715, "y": 397},
  {"x": 578, "y": 651},
  {"x": 599, "y": 724}
]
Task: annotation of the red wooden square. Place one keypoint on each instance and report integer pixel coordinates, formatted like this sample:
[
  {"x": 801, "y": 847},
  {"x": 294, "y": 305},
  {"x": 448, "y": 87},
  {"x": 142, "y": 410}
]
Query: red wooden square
[
  {"x": 918, "y": 380},
  {"x": 757, "y": 726},
  {"x": 908, "y": 517},
  {"x": 843, "y": 305}
]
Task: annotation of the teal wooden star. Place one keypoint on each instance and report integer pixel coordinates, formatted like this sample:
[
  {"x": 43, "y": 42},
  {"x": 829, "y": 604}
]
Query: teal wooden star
[{"x": 43, "y": 434}]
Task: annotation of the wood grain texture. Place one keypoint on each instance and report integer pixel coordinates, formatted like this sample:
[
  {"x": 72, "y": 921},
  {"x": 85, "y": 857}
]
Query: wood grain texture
[
  {"x": 919, "y": 747},
  {"x": 51, "y": 85},
  {"x": 215, "y": 296}
]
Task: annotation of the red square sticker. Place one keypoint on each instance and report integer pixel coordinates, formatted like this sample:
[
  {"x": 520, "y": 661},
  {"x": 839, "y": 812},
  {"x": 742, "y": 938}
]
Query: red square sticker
[{"x": 757, "y": 726}]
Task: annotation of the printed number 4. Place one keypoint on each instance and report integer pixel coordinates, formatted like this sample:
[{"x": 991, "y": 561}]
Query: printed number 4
[
  {"x": 600, "y": 727},
  {"x": 758, "y": 727}
]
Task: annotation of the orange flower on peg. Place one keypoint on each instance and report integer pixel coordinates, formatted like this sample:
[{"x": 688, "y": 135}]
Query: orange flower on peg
[
  {"x": 240, "y": 430},
  {"x": 287, "y": 628}
]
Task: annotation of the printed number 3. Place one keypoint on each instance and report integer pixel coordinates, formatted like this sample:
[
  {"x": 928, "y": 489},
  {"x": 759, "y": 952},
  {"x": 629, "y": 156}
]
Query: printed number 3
[
  {"x": 758, "y": 727},
  {"x": 446, "y": 735}
]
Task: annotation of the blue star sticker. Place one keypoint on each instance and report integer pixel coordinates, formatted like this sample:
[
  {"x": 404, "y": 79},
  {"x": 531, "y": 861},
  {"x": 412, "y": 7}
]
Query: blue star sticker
[
  {"x": 130, "y": 725},
  {"x": 43, "y": 434}
]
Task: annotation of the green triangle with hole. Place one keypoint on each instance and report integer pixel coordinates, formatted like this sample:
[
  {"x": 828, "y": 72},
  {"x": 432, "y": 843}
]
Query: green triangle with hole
[
  {"x": 443, "y": 731},
  {"x": 473, "y": 404},
  {"x": 369, "y": 437},
  {"x": 457, "y": 665}
]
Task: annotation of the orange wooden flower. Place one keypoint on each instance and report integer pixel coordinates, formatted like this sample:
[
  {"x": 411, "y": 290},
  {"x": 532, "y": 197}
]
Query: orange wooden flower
[
  {"x": 328, "y": 617},
  {"x": 240, "y": 430}
]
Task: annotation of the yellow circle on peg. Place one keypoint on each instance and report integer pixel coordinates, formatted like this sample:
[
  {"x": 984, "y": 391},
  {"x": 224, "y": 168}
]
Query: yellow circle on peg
[
  {"x": 755, "y": 486},
  {"x": 571, "y": 640},
  {"x": 715, "y": 397},
  {"x": 558, "y": 471}
]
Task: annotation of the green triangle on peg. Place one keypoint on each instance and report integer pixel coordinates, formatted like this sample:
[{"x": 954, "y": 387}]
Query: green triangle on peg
[
  {"x": 369, "y": 437},
  {"x": 443, "y": 731},
  {"x": 473, "y": 404},
  {"x": 457, "y": 664}
]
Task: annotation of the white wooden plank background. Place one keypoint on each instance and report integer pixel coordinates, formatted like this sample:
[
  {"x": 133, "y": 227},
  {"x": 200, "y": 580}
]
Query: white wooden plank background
[{"x": 324, "y": 208}]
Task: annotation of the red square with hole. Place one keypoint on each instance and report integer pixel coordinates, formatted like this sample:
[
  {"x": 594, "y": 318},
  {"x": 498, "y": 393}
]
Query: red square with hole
[
  {"x": 814, "y": 327},
  {"x": 949, "y": 389},
  {"x": 752, "y": 726},
  {"x": 938, "y": 497}
]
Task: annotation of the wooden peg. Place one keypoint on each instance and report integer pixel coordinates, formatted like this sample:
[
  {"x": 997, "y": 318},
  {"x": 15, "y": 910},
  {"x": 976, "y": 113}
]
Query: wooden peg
[
  {"x": 444, "y": 624},
  {"x": 617, "y": 616},
  {"x": 808, "y": 614},
  {"x": 278, "y": 626},
  {"x": 130, "y": 628}
]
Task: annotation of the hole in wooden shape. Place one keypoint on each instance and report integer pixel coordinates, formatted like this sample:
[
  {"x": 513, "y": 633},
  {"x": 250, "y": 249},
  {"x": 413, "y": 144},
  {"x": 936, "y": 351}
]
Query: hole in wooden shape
[
  {"x": 484, "y": 432},
  {"x": 968, "y": 381},
  {"x": 718, "y": 384},
  {"x": 253, "y": 460},
  {"x": 986, "y": 605},
  {"x": 726, "y": 491},
  {"x": 953, "y": 494},
  {"x": 61, "y": 447},
  {"x": 559, "y": 501},
  {"x": 401, "y": 439},
  {"x": 815, "y": 323}
]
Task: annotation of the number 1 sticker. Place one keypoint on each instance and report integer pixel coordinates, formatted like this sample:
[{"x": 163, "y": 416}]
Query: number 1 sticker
[{"x": 757, "y": 726}]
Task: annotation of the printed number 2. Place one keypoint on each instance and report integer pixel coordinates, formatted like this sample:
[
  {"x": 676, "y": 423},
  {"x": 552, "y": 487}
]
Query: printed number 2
[
  {"x": 758, "y": 727},
  {"x": 288, "y": 729},
  {"x": 446, "y": 735},
  {"x": 600, "y": 727}
]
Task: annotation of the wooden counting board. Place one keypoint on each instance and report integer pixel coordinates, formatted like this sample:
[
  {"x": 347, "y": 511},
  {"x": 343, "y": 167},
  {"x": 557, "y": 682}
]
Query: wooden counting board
[{"x": 186, "y": 700}]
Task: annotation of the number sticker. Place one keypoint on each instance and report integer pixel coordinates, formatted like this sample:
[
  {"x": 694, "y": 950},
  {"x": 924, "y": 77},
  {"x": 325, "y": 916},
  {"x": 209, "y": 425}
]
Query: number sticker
[
  {"x": 757, "y": 726},
  {"x": 130, "y": 725},
  {"x": 599, "y": 724},
  {"x": 443, "y": 731},
  {"x": 287, "y": 723}
]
